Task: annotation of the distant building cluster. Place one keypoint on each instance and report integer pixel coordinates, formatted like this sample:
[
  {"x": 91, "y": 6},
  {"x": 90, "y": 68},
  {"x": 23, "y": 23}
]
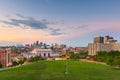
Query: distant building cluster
[
  {"x": 101, "y": 43},
  {"x": 53, "y": 51}
]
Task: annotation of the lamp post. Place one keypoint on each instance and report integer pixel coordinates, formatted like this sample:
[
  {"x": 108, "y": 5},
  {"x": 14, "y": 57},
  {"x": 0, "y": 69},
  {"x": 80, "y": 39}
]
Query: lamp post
[{"x": 66, "y": 68}]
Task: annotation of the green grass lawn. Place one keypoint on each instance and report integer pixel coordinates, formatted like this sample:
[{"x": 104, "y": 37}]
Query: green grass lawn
[{"x": 55, "y": 70}]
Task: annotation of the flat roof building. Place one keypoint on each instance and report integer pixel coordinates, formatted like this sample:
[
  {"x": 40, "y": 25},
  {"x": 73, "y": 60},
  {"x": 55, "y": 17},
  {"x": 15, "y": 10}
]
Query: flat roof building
[
  {"x": 106, "y": 43},
  {"x": 98, "y": 39},
  {"x": 93, "y": 48}
]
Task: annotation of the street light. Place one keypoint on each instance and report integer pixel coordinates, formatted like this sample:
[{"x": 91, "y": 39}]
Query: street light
[{"x": 66, "y": 68}]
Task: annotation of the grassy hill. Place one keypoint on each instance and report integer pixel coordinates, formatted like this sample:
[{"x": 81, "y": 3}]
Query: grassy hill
[{"x": 55, "y": 70}]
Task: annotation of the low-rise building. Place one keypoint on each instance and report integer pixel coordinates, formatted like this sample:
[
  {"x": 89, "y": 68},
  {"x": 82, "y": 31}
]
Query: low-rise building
[
  {"x": 62, "y": 46},
  {"x": 45, "y": 53},
  {"x": 81, "y": 49}
]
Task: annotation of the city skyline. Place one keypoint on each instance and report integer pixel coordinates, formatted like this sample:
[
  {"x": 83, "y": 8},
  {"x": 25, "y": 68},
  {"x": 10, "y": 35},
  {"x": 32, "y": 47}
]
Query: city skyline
[{"x": 69, "y": 22}]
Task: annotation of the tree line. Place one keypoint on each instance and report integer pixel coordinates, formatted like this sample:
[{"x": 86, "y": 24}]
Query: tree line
[{"x": 111, "y": 58}]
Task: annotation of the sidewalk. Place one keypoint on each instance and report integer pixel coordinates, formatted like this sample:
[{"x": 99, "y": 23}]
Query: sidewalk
[{"x": 91, "y": 61}]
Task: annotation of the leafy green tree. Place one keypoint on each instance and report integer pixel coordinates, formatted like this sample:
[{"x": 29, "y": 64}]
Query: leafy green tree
[
  {"x": 24, "y": 59},
  {"x": 41, "y": 58},
  {"x": 104, "y": 56},
  {"x": 110, "y": 61},
  {"x": 1, "y": 65},
  {"x": 20, "y": 62},
  {"x": 117, "y": 61},
  {"x": 31, "y": 59},
  {"x": 83, "y": 55},
  {"x": 36, "y": 58},
  {"x": 14, "y": 63},
  {"x": 74, "y": 56}
]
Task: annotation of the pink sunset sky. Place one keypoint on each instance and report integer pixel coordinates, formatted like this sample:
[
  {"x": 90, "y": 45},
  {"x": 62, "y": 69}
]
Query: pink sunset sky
[{"x": 74, "y": 23}]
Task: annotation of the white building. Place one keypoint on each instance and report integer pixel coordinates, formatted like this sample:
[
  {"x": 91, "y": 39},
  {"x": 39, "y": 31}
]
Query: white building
[{"x": 44, "y": 53}]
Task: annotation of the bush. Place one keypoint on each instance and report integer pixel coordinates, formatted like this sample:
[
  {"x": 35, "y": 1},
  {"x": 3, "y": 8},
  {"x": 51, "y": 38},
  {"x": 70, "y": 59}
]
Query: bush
[
  {"x": 117, "y": 61},
  {"x": 110, "y": 61},
  {"x": 36, "y": 58}
]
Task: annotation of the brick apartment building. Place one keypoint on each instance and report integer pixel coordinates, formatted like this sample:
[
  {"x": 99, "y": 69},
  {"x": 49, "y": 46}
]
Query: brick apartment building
[{"x": 5, "y": 57}]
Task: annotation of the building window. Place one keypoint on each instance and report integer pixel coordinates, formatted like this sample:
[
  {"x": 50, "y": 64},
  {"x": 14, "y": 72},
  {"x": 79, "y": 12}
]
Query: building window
[
  {"x": 48, "y": 54},
  {"x": 40, "y": 55},
  {"x": 44, "y": 54}
]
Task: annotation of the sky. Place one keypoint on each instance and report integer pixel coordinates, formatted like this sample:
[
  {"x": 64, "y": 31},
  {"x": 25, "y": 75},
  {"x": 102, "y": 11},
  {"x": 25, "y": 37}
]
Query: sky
[{"x": 70, "y": 22}]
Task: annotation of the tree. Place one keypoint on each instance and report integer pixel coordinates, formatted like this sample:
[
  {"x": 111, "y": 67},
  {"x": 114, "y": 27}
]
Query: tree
[
  {"x": 36, "y": 58},
  {"x": 74, "y": 56},
  {"x": 83, "y": 55},
  {"x": 110, "y": 61},
  {"x": 14, "y": 63},
  {"x": 117, "y": 61},
  {"x": 21, "y": 62},
  {"x": 31, "y": 59},
  {"x": 1, "y": 65},
  {"x": 24, "y": 59}
]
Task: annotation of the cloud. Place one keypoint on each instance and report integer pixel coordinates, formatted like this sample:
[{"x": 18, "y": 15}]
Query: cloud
[
  {"x": 82, "y": 26},
  {"x": 24, "y": 17},
  {"x": 55, "y": 31},
  {"x": 32, "y": 23},
  {"x": 43, "y": 20},
  {"x": 19, "y": 15},
  {"x": 29, "y": 21}
]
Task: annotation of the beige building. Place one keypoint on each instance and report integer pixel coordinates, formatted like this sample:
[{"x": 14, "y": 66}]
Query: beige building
[
  {"x": 116, "y": 47},
  {"x": 93, "y": 48},
  {"x": 106, "y": 43}
]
